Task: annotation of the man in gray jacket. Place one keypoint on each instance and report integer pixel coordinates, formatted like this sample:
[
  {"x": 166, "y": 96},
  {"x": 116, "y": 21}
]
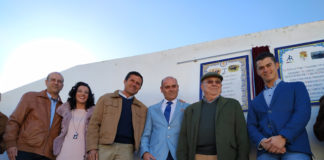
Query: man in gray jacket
[{"x": 163, "y": 122}]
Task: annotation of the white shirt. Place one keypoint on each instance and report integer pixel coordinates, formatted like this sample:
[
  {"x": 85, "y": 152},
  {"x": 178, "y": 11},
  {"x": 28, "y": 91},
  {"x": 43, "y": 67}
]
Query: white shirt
[
  {"x": 123, "y": 95},
  {"x": 173, "y": 106}
]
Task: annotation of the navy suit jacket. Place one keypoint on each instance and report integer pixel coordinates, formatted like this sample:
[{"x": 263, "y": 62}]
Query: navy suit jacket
[
  {"x": 287, "y": 115},
  {"x": 159, "y": 137}
]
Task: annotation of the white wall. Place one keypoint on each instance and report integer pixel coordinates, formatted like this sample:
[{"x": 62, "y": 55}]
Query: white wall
[{"x": 182, "y": 63}]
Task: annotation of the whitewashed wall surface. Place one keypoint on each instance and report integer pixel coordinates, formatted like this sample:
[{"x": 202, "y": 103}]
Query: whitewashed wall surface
[{"x": 182, "y": 63}]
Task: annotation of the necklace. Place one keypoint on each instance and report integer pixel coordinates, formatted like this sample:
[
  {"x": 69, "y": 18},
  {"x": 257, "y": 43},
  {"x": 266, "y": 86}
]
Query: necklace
[{"x": 76, "y": 134}]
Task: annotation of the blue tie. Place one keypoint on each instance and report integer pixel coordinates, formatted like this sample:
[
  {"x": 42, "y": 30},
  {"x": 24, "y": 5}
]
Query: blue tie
[
  {"x": 53, "y": 105},
  {"x": 167, "y": 111}
]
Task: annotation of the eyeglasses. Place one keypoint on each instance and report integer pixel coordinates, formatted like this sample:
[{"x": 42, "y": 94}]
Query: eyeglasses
[
  {"x": 211, "y": 82},
  {"x": 53, "y": 80}
]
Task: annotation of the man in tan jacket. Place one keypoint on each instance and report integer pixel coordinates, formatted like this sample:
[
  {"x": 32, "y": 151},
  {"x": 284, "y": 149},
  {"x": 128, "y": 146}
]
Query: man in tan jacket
[
  {"x": 117, "y": 123},
  {"x": 34, "y": 124}
]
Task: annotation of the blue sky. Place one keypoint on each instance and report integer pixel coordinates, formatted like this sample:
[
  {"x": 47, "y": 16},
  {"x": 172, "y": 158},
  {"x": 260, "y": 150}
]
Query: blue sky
[{"x": 37, "y": 36}]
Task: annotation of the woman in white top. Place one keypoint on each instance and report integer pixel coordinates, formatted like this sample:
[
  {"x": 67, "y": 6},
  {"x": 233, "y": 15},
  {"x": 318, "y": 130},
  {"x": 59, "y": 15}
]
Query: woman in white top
[{"x": 76, "y": 114}]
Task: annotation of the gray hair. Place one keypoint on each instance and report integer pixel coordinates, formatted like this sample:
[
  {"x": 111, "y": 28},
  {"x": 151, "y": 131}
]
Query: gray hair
[
  {"x": 168, "y": 77},
  {"x": 47, "y": 78}
]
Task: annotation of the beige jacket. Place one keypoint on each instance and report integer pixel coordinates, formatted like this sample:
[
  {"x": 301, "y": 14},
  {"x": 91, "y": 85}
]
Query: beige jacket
[
  {"x": 28, "y": 127},
  {"x": 103, "y": 125}
]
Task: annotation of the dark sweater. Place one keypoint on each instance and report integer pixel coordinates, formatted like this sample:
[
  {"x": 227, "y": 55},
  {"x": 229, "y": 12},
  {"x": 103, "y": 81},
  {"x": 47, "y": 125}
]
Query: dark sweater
[
  {"x": 206, "y": 141},
  {"x": 125, "y": 132}
]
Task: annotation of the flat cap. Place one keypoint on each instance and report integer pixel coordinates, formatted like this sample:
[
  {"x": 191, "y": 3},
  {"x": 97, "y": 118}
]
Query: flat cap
[{"x": 211, "y": 74}]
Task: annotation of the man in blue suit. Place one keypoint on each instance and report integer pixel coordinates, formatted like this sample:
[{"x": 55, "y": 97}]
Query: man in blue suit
[
  {"x": 163, "y": 122},
  {"x": 277, "y": 117}
]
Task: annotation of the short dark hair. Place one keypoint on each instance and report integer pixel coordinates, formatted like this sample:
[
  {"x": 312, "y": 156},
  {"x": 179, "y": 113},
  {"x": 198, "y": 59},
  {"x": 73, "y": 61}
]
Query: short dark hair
[
  {"x": 134, "y": 73},
  {"x": 264, "y": 55},
  {"x": 73, "y": 91}
]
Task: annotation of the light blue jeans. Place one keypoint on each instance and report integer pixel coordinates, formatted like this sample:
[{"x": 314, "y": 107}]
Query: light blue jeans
[{"x": 286, "y": 156}]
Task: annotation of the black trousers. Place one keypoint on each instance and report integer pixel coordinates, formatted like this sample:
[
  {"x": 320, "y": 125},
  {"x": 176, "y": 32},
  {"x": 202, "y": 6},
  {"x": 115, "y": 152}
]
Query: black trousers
[
  {"x": 169, "y": 156},
  {"x": 30, "y": 156}
]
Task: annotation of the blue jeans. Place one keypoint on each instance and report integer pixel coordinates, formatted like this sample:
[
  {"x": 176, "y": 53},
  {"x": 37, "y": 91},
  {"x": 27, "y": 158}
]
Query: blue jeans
[{"x": 286, "y": 156}]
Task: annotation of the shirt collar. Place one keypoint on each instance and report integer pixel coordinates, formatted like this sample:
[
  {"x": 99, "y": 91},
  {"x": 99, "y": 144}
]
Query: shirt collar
[
  {"x": 173, "y": 101},
  {"x": 274, "y": 85},
  {"x": 204, "y": 99},
  {"x": 50, "y": 97},
  {"x": 123, "y": 95}
]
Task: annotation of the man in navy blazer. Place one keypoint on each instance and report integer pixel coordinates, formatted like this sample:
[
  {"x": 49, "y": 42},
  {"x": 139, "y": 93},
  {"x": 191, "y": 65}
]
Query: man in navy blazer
[
  {"x": 163, "y": 122},
  {"x": 277, "y": 117}
]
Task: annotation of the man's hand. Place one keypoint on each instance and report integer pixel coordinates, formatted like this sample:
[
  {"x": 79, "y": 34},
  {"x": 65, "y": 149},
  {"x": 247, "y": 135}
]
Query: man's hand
[
  {"x": 277, "y": 145},
  {"x": 12, "y": 153},
  {"x": 93, "y": 155},
  {"x": 276, "y": 150},
  {"x": 265, "y": 143},
  {"x": 148, "y": 156}
]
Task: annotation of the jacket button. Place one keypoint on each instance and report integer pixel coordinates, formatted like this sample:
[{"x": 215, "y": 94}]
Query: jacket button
[
  {"x": 169, "y": 127},
  {"x": 269, "y": 111}
]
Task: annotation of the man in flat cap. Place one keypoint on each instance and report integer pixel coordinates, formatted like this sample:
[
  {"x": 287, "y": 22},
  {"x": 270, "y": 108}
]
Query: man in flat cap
[{"x": 214, "y": 127}]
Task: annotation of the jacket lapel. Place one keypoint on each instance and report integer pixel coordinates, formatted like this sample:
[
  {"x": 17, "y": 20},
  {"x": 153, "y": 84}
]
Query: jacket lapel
[
  {"x": 159, "y": 112},
  {"x": 275, "y": 93},
  {"x": 261, "y": 101},
  {"x": 219, "y": 106},
  {"x": 176, "y": 111},
  {"x": 195, "y": 120}
]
